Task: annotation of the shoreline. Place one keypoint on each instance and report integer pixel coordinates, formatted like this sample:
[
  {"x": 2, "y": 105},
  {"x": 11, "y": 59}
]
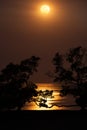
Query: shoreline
[
  {"x": 43, "y": 113},
  {"x": 44, "y": 120}
]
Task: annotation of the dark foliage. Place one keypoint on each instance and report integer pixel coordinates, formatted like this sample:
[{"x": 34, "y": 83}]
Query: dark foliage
[
  {"x": 71, "y": 72},
  {"x": 41, "y": 99},
  {"x": 15, "y": 87}
]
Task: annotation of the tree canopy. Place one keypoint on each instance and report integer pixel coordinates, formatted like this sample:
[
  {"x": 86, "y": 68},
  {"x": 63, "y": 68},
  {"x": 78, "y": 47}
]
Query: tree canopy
[
  {"x": 15, "y": 87},
  {"x": 71, "y": 72}
]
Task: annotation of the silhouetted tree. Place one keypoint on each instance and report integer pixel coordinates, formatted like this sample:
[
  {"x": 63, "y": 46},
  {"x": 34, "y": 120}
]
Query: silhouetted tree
[
  {"x": 15, "y": 87},
  {"x": 71, "y": 72}
]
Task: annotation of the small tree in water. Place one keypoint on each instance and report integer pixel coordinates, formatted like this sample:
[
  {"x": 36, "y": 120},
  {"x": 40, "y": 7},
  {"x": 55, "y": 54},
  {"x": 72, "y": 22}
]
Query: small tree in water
[
  {"x": 15, "y": 87},
  {"x": 71, "y": 72}
]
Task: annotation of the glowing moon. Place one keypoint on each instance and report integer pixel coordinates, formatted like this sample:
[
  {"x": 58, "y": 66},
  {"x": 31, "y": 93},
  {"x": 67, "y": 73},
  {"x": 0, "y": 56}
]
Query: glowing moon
[{"x": 45, "y": 9}]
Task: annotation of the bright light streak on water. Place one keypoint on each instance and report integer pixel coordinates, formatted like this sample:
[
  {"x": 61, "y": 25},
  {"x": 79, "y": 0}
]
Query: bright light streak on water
[{"x": 56, "y": 101}]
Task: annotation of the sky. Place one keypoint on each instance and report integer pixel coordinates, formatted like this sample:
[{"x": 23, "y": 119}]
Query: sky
[{"x": 24, "y": 31}]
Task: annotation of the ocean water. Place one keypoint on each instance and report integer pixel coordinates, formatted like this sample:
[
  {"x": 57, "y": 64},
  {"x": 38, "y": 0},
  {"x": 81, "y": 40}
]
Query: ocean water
[{"x": 56, "y": 103}]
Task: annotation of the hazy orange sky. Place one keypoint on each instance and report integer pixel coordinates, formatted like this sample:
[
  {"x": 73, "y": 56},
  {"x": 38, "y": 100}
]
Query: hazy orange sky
[{"x": 25, "y": 32}]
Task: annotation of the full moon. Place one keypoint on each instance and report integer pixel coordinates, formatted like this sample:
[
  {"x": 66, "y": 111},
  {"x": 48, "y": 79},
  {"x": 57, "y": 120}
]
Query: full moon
[{"x": 45, "y": 9}]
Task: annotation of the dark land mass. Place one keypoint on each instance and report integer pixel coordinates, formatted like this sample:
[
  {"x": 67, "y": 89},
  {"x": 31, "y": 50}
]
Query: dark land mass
[{"x": 43, "y": 120}]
